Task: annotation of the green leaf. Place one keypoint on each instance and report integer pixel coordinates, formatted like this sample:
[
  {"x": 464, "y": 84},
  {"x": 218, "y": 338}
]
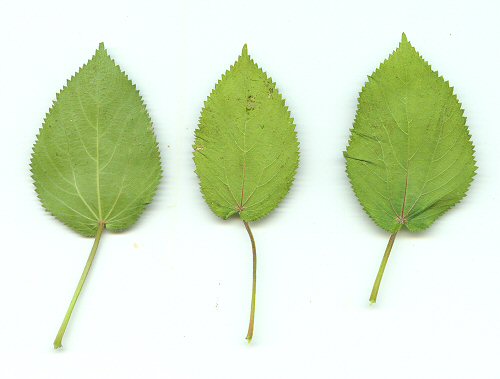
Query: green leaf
[
  {"x": 96, "y": 163},
  {"x": 410, "y": 157},
  {"x": 246, "y": 149}
]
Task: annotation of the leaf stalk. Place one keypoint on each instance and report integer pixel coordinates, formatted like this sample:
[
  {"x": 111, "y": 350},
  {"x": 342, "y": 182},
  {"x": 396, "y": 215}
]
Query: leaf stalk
[
  {"x": 64, "y": 325},
  {"x": 254, "y": 283},
  {"x": 378, "y": 279}
]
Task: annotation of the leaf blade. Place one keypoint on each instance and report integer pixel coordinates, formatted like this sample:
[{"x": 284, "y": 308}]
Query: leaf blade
[
  {"x": 410, "y": 157},
  {"x": 246, "y": 148},
  {"x": 96, "y": 157}
]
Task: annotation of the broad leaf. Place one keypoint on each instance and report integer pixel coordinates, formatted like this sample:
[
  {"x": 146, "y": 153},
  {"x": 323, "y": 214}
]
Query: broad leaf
[
  {"x": 96, "y": 163},
  {"x": 246, "y": 149},
  {"x": 410, "y": 157}
]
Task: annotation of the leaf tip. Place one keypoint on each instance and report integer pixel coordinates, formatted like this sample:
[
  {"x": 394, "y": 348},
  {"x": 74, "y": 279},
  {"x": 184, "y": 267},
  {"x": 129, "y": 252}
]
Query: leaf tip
[
  {"x": 404, "y": 42},
  {"x": 244, "y": 51},
  {"x": 101, "y": 46}
]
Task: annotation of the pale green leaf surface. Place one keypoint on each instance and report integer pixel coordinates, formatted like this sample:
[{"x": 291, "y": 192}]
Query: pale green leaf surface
[
  {"x": 96, "y": 158},
  {"x": 410, "y": 157},
  {"x": 246, "y": 149}
]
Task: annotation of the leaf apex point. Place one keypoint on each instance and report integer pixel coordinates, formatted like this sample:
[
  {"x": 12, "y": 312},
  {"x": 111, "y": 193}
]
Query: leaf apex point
[{"x": 244, "y": 50}]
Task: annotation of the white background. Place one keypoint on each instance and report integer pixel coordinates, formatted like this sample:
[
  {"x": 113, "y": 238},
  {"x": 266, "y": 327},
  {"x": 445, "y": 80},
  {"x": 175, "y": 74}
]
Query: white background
[{"x": 170, "y": 297}]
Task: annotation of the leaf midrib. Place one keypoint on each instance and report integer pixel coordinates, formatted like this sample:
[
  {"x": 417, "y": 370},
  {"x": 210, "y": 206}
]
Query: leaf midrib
[{"x": 98, "y": 175}]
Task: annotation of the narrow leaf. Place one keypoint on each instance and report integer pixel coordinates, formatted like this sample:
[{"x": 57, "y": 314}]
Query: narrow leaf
[
  {"x": 410, "y": 157},
  {"x": 96, "y": 163},
  {"x": 246, "y": 149}
]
